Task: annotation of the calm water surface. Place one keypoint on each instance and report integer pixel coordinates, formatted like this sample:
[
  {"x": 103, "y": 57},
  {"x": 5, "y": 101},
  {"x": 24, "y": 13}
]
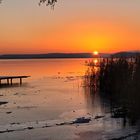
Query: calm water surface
[{"x": 54, "y": 92}]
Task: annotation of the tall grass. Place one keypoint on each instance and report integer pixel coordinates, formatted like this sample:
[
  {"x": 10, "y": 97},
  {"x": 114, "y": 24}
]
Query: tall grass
[{"x": 119, "y": 81}]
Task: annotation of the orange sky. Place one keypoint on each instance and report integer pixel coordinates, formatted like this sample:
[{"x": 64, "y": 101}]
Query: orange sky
[{"x": 74, "y": 26}]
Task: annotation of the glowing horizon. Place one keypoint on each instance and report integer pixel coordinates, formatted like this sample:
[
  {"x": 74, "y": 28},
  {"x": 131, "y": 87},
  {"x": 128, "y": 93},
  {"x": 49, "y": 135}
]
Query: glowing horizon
[{"x": 73, "y": 27}]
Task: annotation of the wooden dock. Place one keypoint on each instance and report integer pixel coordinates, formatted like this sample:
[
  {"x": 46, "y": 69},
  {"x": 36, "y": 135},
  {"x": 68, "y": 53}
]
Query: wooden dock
[{"x": 10, "y": 79}]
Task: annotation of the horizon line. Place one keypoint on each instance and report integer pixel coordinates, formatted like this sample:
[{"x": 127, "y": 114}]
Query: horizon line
[{"x": 131, "y": 51}]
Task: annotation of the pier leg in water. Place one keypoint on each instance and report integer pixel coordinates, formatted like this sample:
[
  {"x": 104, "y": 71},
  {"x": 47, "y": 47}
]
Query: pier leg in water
[
  {"x": 8, "y": 81},
  {"x": 20, "y": 81},
  {"x": 11, "y": 81}
]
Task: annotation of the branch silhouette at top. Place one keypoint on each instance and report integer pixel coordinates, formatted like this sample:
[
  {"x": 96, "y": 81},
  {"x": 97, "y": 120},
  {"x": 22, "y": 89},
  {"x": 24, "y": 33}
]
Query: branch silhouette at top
[{"x": 47, "y": 2}]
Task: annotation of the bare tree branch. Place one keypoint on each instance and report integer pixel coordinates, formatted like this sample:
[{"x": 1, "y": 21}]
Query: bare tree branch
[{"x": 47, "y": 2}]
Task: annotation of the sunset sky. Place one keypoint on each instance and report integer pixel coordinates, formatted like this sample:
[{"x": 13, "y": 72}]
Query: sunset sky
[{"x": 73, "y": 26}]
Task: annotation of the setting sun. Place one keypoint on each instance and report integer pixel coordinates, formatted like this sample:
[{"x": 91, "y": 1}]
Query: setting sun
[{"x": 95, "y": 52}]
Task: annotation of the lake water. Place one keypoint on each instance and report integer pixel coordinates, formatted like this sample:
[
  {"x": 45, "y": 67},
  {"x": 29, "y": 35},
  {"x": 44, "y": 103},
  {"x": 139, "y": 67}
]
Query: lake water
[
  {"x": 53, "y": 94},
  {"x": 54, "y": 88}
]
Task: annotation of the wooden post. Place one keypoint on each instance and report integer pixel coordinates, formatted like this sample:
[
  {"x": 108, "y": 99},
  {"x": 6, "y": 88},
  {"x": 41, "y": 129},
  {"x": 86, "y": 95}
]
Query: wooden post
[
  {"x": 11, "y": 81},
  {"x": 8, "y": 81},
  {"x": 20, "y": 81}
]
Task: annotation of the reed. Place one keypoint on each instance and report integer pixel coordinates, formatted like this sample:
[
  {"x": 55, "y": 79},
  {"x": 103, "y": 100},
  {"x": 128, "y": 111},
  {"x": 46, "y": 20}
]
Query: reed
[{"x": 119, "y": 81}]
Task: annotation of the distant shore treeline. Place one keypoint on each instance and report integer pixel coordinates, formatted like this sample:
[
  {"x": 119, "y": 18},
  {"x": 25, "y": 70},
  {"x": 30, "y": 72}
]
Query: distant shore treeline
[
  {"x": 47, "y": 56},
  {"x": 65, "y": 55}
]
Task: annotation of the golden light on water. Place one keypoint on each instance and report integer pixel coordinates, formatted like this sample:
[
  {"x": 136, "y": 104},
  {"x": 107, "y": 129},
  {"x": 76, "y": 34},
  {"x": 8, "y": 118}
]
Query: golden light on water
[
  {"x": 95, "y": 53},
  {"x": 95, "y": 61}
]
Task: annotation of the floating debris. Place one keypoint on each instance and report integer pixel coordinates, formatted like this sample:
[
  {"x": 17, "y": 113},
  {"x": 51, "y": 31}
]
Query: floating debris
[
  {"x": 82, "y": 120},
  {"x": 8, "y": 112},
  {"x": 3, "y": 102},
  {"x": 98, "y": 117}
]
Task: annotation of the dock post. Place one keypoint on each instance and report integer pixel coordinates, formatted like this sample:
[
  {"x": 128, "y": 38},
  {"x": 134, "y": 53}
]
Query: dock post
[
  {"x": 8, "y": 81},
  {"x": 11, "y": 81},
  {"x": 20, "y": 81}
]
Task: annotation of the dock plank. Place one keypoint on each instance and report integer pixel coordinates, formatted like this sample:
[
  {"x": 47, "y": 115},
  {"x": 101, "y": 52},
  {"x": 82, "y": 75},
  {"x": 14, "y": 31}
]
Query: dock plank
[{"x": 13, "y": 77}]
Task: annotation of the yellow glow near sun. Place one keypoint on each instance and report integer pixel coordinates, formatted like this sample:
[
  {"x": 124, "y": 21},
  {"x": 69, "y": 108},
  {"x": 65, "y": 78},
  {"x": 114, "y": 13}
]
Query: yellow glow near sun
[
  {"x": 95, "y": 52},
  {"x": 95, "y": 61}
]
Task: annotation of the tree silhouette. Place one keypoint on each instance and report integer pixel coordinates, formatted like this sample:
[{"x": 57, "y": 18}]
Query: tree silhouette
[{"x": 47, "y": 2}]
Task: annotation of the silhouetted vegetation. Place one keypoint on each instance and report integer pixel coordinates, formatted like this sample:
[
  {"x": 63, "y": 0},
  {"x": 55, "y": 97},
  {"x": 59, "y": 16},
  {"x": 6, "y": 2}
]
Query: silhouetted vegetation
[
  {"x": 118, "y": 80},
  {"x": 47, "y": 2}
]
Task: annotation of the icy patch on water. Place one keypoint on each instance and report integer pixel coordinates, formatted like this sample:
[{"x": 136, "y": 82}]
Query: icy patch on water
[
  {"x": 41, "y": 124},
  {"x": 112, "y": 131}
]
